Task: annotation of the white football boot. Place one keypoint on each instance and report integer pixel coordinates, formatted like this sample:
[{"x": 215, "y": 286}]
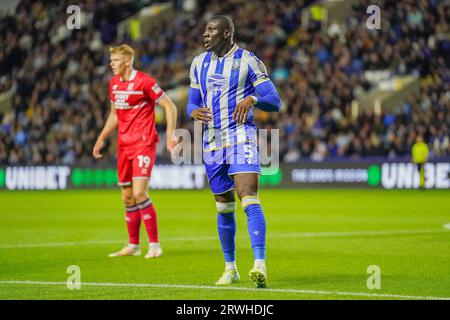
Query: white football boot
[
  {"x": 154, "y": 251},
  {"x": 126, "y": 251}
]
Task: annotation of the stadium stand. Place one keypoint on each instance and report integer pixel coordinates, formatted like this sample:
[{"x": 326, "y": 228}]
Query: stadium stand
[{"x": 58, "y": 78}]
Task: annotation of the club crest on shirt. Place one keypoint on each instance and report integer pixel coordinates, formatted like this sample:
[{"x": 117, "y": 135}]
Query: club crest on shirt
[
  {"x": 217, "y": 83},
  {"x": 236, "y": 63}
]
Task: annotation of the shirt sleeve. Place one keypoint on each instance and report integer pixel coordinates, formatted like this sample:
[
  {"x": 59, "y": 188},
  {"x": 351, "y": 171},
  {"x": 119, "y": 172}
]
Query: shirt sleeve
[
  {"x": 257, "y": 70},
  {"x": 193, "y": 75},
  {"x": 152, "y": 90},
  {"x": 195, "y": 99},
  {"x": 267, "y": 97}
]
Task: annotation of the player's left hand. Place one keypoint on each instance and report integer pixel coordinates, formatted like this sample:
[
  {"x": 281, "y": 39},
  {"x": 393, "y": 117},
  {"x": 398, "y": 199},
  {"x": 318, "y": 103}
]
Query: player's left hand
[
  {"x": 242, "y": 109},
  {"x": 171, "y": 142},
  {"x": 96, "y": 151}
]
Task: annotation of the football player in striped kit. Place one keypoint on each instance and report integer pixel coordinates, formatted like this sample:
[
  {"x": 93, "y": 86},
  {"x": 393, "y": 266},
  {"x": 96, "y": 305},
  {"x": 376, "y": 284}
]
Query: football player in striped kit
[{"x": 226, "y": 83}]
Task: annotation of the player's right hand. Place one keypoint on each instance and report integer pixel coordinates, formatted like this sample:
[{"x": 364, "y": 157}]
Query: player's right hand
[
  {"x": 202, "y": 114},
  {"x": 97, "y": 147}
]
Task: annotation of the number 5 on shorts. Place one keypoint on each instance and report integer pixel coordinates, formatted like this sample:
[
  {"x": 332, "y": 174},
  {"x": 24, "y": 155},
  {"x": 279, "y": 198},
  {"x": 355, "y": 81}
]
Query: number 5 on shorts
[{"x": 248, "y": 153}]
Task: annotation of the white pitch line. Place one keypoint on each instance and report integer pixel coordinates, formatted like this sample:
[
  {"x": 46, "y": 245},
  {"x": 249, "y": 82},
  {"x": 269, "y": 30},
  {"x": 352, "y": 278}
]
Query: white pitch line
[
  {"x": 199, "y": 287},
  {"x": 368, "y": 233},
  {"x": 55, "y": 244},
  {"x": 89, "y": 242},
  {"x": 361, "y": 233}
]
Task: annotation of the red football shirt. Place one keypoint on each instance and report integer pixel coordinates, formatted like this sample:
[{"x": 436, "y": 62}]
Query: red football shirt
[{"x": 134, "y": 101}]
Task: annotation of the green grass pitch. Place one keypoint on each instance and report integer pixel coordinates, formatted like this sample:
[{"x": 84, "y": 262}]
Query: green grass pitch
[{"x": 320, "y": 244}]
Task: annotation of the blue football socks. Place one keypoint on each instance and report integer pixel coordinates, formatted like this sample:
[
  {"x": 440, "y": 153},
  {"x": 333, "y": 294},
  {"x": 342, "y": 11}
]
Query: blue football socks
[
  {"x": 226, "y": 225},
  {"x": 256, "y": 225}
]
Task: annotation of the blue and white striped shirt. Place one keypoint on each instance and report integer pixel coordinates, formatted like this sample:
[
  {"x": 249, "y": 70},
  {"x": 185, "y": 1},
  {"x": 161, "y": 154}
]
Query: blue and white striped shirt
[{"x": 223, "y": 82}]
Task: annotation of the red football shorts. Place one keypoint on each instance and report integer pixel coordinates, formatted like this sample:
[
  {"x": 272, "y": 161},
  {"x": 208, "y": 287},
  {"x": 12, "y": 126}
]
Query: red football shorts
[{"x": 135, "y": 163}]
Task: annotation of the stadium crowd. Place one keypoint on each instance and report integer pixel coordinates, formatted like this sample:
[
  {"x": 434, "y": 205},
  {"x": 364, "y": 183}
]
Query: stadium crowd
[{"x": 60, "y": 78}]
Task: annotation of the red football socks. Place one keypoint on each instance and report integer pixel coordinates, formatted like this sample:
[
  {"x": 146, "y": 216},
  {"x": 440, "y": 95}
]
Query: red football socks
[
  {"x": 148, "y": 215},
  {"x": 133, "y": 223}
]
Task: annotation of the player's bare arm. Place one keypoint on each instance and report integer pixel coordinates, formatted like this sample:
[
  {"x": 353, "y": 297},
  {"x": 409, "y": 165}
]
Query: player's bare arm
[
  {"x": 268, "y": 100},
  {"x": 110, "y": 126},
  {"x": 202, "y": 114},
  {"x": 242, "y": 109},
  {"x": 171, "y": 118}
]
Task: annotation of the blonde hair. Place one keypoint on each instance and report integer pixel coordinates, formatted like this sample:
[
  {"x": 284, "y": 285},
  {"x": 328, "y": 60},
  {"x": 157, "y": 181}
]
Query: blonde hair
[{"x": 123, "y": 49}]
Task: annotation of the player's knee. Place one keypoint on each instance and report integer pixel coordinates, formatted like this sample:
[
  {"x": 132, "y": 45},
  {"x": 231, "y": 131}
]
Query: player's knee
[
  {"x": 140, "y": 195},
  {"x": 128, "y": 199},
  {"x": 246, "y": 185},
  {"x": 249, "y": 200},
  {"x": 245, "y": 192},
  {"x": 248, "y": 195},
  {"x": 225, "y": 197}
]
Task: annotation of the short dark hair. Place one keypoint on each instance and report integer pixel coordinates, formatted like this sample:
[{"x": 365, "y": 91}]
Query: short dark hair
[{"x": 228, "y": 22}]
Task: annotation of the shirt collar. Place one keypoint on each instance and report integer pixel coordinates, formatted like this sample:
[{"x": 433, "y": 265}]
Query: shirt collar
[
  {"x": 229, "y": 53},
  {"x": 132, "y": 75}
]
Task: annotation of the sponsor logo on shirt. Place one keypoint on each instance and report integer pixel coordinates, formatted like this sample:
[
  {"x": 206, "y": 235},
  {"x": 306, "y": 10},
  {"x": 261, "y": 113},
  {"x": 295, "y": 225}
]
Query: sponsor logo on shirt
[{"x": 217, "y": 83}]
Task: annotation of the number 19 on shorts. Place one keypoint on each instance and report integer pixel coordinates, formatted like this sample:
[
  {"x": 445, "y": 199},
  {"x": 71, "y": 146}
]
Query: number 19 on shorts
[{"x": 144, "y": 161}]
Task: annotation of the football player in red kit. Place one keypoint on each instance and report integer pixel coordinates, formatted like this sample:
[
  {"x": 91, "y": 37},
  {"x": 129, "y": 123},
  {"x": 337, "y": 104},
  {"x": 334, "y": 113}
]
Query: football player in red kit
[{"x": 133, "y": 96}]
